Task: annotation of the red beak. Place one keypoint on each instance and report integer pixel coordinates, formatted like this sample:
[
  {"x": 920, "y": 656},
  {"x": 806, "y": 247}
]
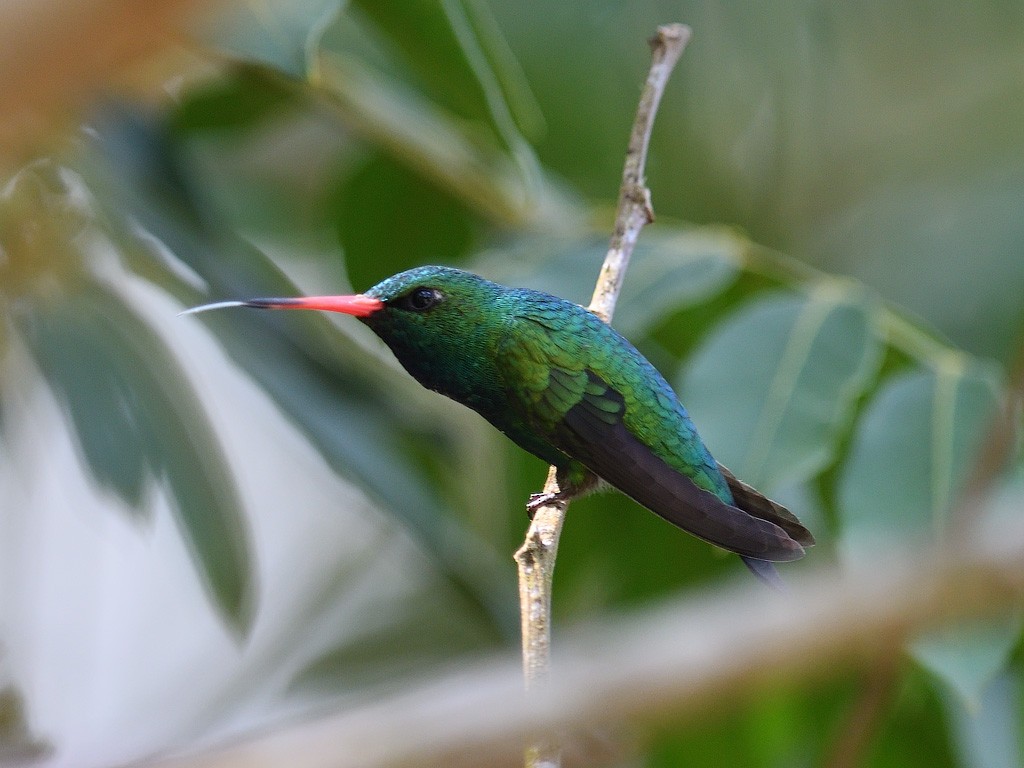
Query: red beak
[{"x": 358, "y": 305}]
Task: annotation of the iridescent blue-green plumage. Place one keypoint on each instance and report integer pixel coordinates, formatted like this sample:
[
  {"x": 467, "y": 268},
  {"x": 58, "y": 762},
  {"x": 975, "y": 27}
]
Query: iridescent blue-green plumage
[{"x": 568, "y": 388}]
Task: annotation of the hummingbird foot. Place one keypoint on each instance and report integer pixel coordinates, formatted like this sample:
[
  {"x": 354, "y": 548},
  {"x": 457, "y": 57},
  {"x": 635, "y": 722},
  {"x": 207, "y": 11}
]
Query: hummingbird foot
[
  {"x": 538, "y": 500},
  {"x": 574, "y": 480}
]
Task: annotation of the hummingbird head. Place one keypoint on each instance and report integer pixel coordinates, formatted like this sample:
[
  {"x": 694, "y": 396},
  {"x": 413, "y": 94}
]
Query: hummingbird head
[
  {"x": 427, "y": 306},
  {"x": 439, "y": 323},
  {"x": 436, "y": 320}
]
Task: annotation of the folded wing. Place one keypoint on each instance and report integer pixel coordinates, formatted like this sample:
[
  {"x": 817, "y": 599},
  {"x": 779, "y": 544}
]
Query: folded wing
[{"x": 594, "y": 433}]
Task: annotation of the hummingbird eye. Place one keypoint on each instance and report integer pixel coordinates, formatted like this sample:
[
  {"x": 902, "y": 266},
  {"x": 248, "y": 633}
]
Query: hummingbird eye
[{"x": 421, "y": 299}]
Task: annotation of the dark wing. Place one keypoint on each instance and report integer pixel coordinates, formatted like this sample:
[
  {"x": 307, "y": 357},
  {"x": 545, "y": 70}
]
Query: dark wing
[
  {"x": 545, "y": 362},
  {"x": 593, "y": 432},
  {"x": 753, "y": 502}
]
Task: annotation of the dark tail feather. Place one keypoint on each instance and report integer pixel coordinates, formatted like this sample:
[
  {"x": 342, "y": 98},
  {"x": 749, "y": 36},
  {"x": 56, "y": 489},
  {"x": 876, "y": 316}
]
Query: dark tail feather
[
  {"x": 757, "y": 504},
  {"x": 765, "y": 572}
]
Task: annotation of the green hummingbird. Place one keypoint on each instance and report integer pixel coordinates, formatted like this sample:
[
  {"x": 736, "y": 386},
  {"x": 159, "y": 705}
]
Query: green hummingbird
[{"x": 568, "y": 388}]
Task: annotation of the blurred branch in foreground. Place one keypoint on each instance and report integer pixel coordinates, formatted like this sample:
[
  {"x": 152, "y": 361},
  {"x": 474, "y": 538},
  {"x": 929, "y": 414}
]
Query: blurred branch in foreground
[{"x": 677, "y": 660}]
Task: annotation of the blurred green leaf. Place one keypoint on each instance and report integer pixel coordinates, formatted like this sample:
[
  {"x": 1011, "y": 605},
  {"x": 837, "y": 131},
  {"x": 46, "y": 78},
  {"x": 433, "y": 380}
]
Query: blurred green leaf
[
  {"x": 390, "y": 219},
  {"x": 275, "y": 32},
  {"x": 75, "y": 354},
  {"x": 911, "y": 451},
  {"x": 988, "y": 732},
  {"x": 354, "y": 409},
  {"x": 457, "y": 50},
  {"x": 563, "y": 266},
  {"x": 233, "y": 103},
  {"x": 970, "y": 655},
  {"x": 269, "y": 162},
  {"x": 419, "y": 134},
  {"x": 670, "y": 269},
  {"x": 136, "y": 420},
  {"x": 775, "y": 384},
  {"x": 387, "y": 647},
  {"x": 43, "y": 213},
  {"x": 786, "y": 728},
  {"x": 900, "y": 217},
  {"x": 674, "y": 269}
]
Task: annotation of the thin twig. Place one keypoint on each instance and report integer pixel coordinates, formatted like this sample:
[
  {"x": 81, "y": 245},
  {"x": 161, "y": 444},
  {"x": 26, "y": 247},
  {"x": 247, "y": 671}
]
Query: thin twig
[
  {"x": 634, "y": 209},
  {"x": 536, "y": 558}
]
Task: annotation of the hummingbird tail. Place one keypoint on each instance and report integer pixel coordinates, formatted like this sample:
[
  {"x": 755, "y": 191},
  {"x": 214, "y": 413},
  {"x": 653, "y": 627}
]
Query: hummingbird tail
[
  {"x": 765, "y": 572},
  {"x": 757, "y": 504}
]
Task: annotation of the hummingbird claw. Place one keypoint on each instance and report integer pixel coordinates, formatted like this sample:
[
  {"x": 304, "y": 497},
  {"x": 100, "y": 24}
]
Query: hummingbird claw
[{"x": 538, "y": 500}]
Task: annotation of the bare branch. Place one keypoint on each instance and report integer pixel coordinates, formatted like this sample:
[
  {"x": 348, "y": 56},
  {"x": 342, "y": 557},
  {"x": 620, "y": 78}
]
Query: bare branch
[
  {"x": 536, "y": 558},
  {"x": 634, "y": 209}
]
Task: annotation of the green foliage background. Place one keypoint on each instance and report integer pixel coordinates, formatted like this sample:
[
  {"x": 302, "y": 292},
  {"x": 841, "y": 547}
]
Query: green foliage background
[{"x": 833, "y": 284}]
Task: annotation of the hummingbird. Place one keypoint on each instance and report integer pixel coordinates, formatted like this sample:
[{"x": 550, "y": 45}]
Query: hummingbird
[{"x": 567, "y": 387}]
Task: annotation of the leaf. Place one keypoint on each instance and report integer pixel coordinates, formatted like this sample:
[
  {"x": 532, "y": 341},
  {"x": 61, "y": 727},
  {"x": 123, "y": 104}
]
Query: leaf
[
  {"x": 911, "y": 451},
  {"x": 136, "y": 421},
  {"x": 775, "y": 384},
  {"x": 675, "y": 269},
  {"x": 278, "y": 33},
  {"x": 367, "y": 419},
  {"x": 470, "y": 143},
  {"x": 968, "y": 656},
  {"x": 434, "y": 227},
  {"x": 426, "y": 138},
  {"x": 669, "y": 269},
  {"x": 910, "y": 456},
  {"x": 385, "y": 647},
  {"x": 456, "y": 48},
  {"x": 988, "y": 733},
  {"x": 360, "y": 433},
  {"x": 242, "y": 98}
]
